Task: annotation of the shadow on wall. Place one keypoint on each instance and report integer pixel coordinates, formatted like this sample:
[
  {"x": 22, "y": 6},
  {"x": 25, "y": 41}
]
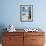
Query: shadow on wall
[{"x": 2, "y": 26}]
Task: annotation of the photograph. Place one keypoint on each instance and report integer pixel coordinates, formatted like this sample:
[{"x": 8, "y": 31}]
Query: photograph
[{"x": 26, "y": 13}]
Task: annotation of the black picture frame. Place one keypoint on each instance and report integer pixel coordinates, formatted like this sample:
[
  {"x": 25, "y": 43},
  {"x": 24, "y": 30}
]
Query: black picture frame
[{"x": 26, "y": 13}]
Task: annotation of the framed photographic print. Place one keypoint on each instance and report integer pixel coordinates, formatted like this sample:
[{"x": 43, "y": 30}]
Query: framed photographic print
[{"x": 26, "y": 13}]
